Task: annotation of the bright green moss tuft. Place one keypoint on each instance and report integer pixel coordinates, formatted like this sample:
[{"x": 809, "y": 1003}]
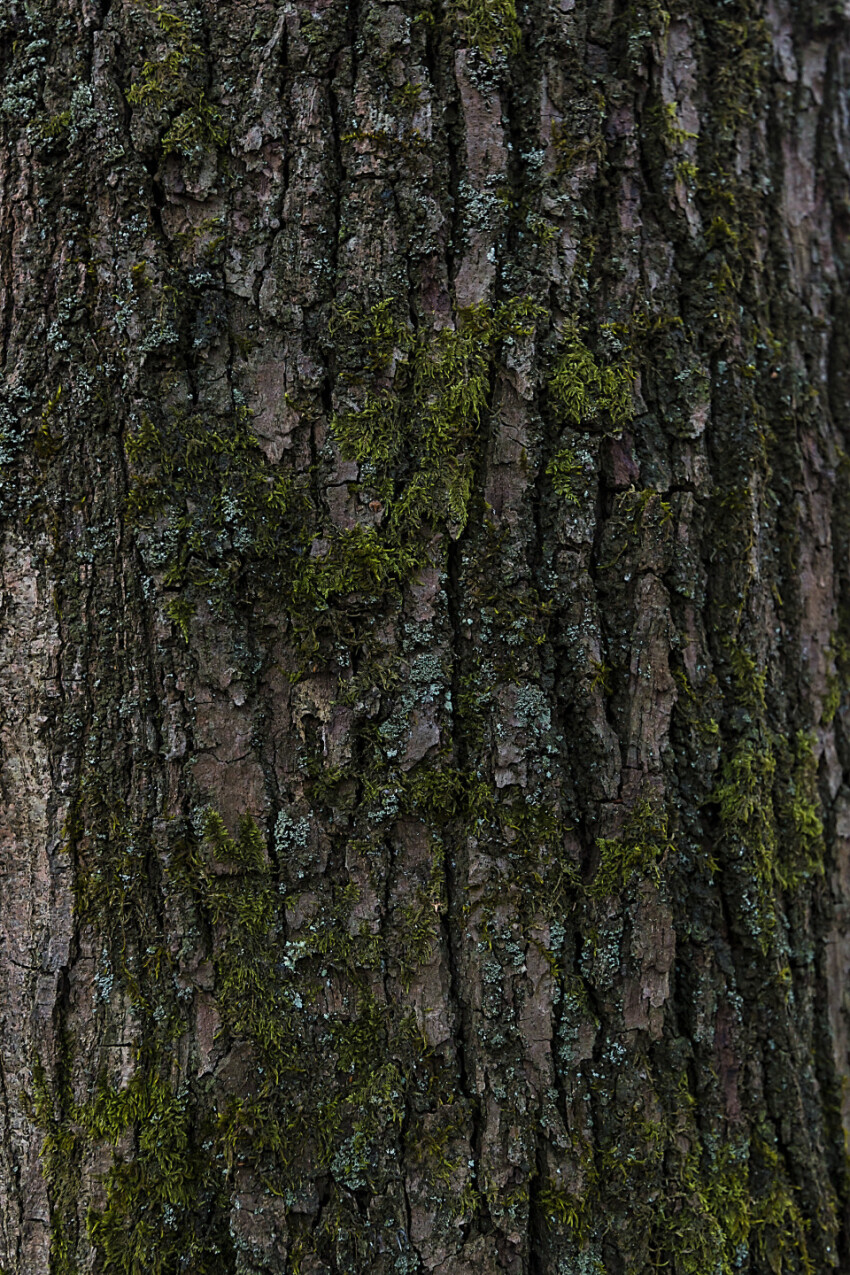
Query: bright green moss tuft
[
  {"x": 644, "y": 842},
  {"x": 487, "y": 25},
  {"x": 163, "y": 1207},
  {"x": 581, "y": 389},
  {"x": 419, "y": 434},
  {"x": 566, "y": 471}
]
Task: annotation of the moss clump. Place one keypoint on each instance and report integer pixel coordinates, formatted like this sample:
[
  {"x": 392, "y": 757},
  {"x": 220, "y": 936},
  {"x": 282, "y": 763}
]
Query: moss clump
[
  {"x": 566, "y": 472},
  {"x": 744, "y": 795},
  {"x": 582, "y": 390},
  {"x": 487, "y": 25},
  {"x": 166, "y": 1204},
  {"x": 58, "y": 1156},
  {"x": 575, "y": 147},
  {"x": 51, "y": 128},
  {"x": 357, "y": 562},
  {"x": 245, "y": 906},
  {"x": 417, "y": 431},
  {"x": 331, "y": 1085},
  {"x": 449, "y": 793},
  {"x": 197, "y": 129},
  {"x": 219, "y": 519},
  {"x": 169, "y": 88},
  {"x": 645, "y": 841},
  {"x": 768, "y": 801},
  {"x": 727, "y": 1204},
  {"x": 180, "y": 612},
  {"x": 420, "y": 919},
  {"x": 694, "y": 1204},
  {"x": 837, "y": 680},
  {"x": 803, "y": 846},
  {"x": 48, "y": 440},
  {"x": 165, "y": 1207},
  {"x": 230, "y": 510},
  {"x": 323, "y": 1090}
]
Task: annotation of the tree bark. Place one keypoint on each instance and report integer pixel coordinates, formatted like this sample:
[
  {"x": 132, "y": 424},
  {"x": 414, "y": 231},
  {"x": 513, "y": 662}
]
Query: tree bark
[{"x": 426, "y": 637}]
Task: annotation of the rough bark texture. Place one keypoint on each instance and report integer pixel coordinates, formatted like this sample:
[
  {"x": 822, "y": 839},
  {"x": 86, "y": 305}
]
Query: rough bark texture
[{"x": 426, "y": 637}]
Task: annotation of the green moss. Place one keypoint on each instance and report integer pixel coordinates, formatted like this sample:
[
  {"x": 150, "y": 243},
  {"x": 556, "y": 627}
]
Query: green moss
[
  {"x": 165, "y": 1206},
  {"x": 407, "y": 96},
  {"x": 692, "y": 1205},
  {"x": 582, "y": 389},
  {"x": 768, "y": 800},
  {"x": 441, "y": 795},
  {"x": 47, "y": 439},
  {"x": 180, "y": 612},
  {"x": 420, "y": 919},
  {"x": 375, "y": 433},
  {"x": 832, "y": 700},
  {"x": 222, "y": 521},
  {"x": 716, "y": 1212},
  {"x": 323, "y": 1092},
  {"x": 165, "y": 1202},
  {"x": 744, "y": 796},
  {"x": 580, "y": 137},
  {"x": 390, "y": 143},
  {"x": 197, "y": 129},
  {"x": 335, "y": 1084},
  {"x": 750, "y": 682},
  {"x": 673, "y": 130},
  {"x": 58, "y": 1155},
  {"x": 541, "y": 229},
  {"x": 601, "y": 677},
  {"x": 486, "y": 25},
  {"x": 430, "y": 414},
  {"x": 645, "y": 841},
  {"x": 837, "y": 679},
  {"x": 566, "y": 471},
  {"x": 170, "y": 86},
  {"x": 695, "y": 707},
  {"x": 800, "y": 811},
  {"x": 111, "y": 856},
  {"x": 356, "y": 561},
  {"x": 51, "y": 128},
  {"x": 230, "y": 511}
]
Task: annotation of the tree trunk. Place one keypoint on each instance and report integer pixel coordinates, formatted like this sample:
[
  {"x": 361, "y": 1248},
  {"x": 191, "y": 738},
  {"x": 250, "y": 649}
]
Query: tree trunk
[{"x": 426, "y": 637}]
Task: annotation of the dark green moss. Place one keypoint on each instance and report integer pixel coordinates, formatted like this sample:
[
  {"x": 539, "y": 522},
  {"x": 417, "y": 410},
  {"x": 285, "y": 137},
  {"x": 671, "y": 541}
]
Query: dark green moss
[{"x": 170, "y": 89}]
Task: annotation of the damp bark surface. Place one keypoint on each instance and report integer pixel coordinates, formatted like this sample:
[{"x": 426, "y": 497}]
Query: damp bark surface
[{"x": 424, "y": 637}]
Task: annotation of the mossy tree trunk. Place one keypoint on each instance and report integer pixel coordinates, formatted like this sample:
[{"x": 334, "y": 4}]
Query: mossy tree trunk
[{"x": 426, "y": 637}]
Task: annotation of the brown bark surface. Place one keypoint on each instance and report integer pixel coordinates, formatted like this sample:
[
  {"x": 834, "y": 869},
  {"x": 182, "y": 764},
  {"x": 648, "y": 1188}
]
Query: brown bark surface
[{"x": 425, "y": 643}]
